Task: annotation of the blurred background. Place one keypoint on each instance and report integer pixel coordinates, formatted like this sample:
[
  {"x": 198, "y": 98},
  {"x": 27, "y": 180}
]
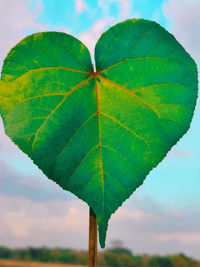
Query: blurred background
[{"x": 163, "y": 215}]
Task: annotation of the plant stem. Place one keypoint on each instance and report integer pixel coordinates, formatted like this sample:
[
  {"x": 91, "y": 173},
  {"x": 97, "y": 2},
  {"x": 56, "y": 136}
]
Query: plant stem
[{"x": 92, "y": 257}]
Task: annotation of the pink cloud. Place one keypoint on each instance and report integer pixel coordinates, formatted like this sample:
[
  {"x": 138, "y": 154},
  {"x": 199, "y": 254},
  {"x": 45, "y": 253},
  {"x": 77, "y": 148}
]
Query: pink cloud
[{"x": 185, "y": 23}]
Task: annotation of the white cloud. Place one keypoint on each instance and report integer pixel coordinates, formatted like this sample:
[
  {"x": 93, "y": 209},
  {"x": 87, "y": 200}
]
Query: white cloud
[
  {"x": 80, "y": 6},
  {"x": 125, "y": 7},
  {"x": 90, "y": 37},
  {"x": 7, "y": 148},
  {"x": 61, "y": 29},
  {"x": 144, "y": 226},
  {"x": 134, "y": 213},
  {"x": 35, "y": 187},
  {"x": 54, "y": 223},
  {"x": 15, "y": 19},
  {"x": 182, "y": 237},
  {"x": 179, "y": 153},
  {"x": 185, "y": 24}
]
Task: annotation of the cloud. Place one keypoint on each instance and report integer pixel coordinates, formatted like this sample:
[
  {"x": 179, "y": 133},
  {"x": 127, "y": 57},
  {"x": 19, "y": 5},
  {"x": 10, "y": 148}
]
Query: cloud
[
  {"x": 125, "y": 8},
  {"x": 80, "y": 6},
  {"x": 90, "y": 37},
  {"x": 54, "y": 223},
  {"x": 185, "y": 24},
  {"x": 34, "y": 187},
  {"x": 7, "y": 148},
  {"x": 15, "y": 20},
  {"x": 148, "y": 231},
  {"x": 64, "y": 223},
  {"x": 179, "y": 153},
  {"x": 182, "y": 237},
  {"x": 61, "y": 29}
]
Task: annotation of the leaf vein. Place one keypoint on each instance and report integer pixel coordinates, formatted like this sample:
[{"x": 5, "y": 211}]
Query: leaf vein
[
  {"x": 70, "y": 51},
  {"x": 35, "y": 97},
  {"x": 76, "y": 132},
  {"x": 83, "y": 159},
  {"x": 61, "y": 102},
  {"x": 21, "y": 122},
  {"x": 27, "y": 54},
  {"x": 115, "y": 178},
  {"x": 117, "y": 152},
  {"x": 131, "y": 59},
  {"x": 132, "y": 93},
  {"x": 122, "y": 125},
  {"x": 90, "y": 180}
]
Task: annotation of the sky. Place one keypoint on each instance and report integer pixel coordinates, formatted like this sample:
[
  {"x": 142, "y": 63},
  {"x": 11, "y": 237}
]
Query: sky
[{"x": 163, "y": 215}]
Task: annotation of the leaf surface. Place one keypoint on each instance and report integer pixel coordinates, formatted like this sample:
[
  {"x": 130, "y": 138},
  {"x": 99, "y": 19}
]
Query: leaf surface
[{"x": 98, "y": 134}]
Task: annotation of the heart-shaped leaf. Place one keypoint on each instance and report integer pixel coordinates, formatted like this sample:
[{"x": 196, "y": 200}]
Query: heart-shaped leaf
[{"x": 98, "y": 134}]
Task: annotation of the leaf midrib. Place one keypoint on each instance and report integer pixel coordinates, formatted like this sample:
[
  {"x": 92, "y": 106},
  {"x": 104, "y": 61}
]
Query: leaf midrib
[
  {"x": 49, "y": 68},
  {"x": 100, "y": 148},
  {"x": 132, "y": 59}
]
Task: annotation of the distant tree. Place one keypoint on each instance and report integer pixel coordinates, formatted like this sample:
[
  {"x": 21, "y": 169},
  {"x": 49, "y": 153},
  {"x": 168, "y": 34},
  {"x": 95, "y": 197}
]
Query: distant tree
[
  {"x": 121, "y": 257},
  {"x": 21, "y": 254},
  {"x": 6, "y": 253},
  {"x": 113, "y": 257},
  {"x": 156, "y": 261},
  {"x": 67, "y": 256},
  {"x": 181, "y": 260},
  {"x": 56, "y": 255},
  {"x": 81, "y": 257}
]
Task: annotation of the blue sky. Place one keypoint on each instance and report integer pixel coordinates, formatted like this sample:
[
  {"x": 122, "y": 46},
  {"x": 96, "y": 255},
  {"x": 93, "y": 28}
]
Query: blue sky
[
  {"x": 170, "y": 189},
  {"x": 65, "y": 14}
]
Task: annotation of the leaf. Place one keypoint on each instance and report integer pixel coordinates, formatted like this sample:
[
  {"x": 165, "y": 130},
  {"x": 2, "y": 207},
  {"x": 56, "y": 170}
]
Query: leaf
[{"x": 98, "y": 134}]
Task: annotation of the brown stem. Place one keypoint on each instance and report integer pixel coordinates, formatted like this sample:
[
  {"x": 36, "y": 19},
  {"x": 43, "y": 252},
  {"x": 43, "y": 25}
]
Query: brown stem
[{"x": 92, "y": 256}]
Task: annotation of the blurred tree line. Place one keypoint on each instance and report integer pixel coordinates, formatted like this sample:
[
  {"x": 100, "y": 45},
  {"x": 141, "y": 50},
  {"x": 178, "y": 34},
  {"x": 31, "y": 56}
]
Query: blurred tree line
[{"x": 116, "y": 257}]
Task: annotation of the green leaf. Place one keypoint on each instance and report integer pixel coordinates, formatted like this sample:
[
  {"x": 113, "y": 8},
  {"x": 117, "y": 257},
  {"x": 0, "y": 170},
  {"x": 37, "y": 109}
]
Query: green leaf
[{"x": 98, "y": 134}]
